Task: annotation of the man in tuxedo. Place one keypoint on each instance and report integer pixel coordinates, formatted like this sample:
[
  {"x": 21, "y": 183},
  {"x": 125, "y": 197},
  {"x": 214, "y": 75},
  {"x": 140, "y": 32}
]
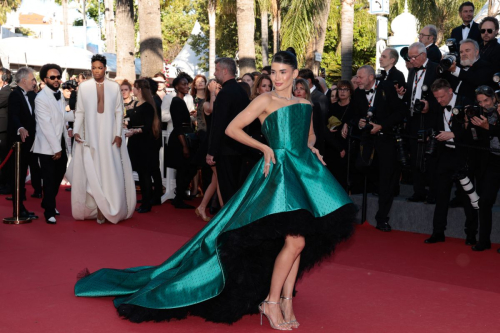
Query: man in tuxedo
[
  {"x": 421, "y": 104},
  {"x": 380, "y": 98},
  {"x": 450, "y": 160},
  {"x": 22, "y": 127},
  {"x": 50, "y": 141},
  {"x": 5, "y": 90},
  {"x": 472, "y": 71},
  {"x": 469, "y": 29},
  {"x": 428, "y": 37},
  {"x": 489, "y": 49},
  {"x": 321, "y": 106},
  {"x": 388, "y": 60},
  {"x": 231, "y": 100}
]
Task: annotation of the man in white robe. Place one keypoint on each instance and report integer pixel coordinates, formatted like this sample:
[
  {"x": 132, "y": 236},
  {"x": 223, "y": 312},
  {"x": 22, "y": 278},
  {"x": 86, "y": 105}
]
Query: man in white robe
[{"x": 100, "y": 171}]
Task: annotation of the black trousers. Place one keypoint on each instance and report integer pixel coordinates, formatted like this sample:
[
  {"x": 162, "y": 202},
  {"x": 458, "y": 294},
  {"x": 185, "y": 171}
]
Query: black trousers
[
  {"x": 490, "y": 185},
  {"x": 52, "y": 174},
  {"x": 183, "y": 177},
  {"x": 156, "y": 174},
  {"x": 389, "y": 173},
  {"x": 229, "y": 175},
  {"x": 35, "y": 173},
  {"x": 448, "y": 163}
]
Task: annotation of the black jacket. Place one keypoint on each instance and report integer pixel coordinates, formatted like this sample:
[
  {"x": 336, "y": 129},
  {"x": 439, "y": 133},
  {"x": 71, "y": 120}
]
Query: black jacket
[
  {"x": 474, "y": 33},
  {"x": 395, "y": 75},
  {"x": 4, "y": 102},
  {"x": 321, "y": 105},
  {"x": 231, "y": 100},
  {"x": 433, "y": 53},
  {"x": 20, "y": 115},
  {"x": 490, "y": 52},
  {"x": 480, "y": 73}
]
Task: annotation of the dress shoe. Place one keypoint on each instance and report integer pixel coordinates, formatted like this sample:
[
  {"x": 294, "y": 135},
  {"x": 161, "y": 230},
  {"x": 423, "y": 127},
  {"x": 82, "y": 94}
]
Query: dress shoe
[
  {"x": 455, "y": 203},
  {"x": 143, "y": 209},
  {"x": 470, "y": 240},
  {"x": 435, "y": 238},
  {"x": 36, "y": 195},
  {"x": 51, "y": 220},
  {"x": 179, "y": 204},
  {"x": 26, "y": 213},
  {"x": 416, "y": 198},
  {"x": 430, "y": 200},
  {"x": 479, "y": 247},
  {"x": 384, "y": 227}
]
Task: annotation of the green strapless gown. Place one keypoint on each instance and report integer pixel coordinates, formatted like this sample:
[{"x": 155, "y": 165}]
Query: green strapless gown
[{"x": 225, "y": 270}]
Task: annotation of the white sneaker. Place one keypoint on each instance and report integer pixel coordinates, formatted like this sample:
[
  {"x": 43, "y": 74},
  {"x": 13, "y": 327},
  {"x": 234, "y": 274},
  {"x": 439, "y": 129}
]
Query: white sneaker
[
  {"x": 57, "y": 212},
  {"x": 51, "y": 220}
]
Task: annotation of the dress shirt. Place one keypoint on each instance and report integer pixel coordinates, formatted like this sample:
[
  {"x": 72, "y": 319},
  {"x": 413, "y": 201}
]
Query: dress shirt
[
  {"x": 312, "y": 89},
  {"x": 465, "y": 31},
  {"x": 369, "y": 95},
  {"x": 418, "y": 92},
  {"x": 456, "y": 72},
  {"x": 447, "y": 117},
  {"x": 29, "y": 105}
]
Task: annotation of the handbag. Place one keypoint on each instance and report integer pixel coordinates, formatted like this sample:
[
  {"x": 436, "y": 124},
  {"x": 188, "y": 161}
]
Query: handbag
[{"x": 192, "y": 139}]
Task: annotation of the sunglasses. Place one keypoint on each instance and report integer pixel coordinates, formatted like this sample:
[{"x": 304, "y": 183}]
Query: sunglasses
[
  {"x": 486, "y": 30},
  {"x": 54, "y": 77},
  {"x": 485, "y": 90}
]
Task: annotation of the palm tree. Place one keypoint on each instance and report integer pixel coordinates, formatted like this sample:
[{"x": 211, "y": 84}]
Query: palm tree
[
  {"x": 276, "y": 11},
  {"x": 318, "y": 39},
  {"x": 264, "y": 28},
  {"x": 245, "y": 18},
  {"x": 125, "y": 66},
  {"x": 109, "y": 17},
  {"x": 150, "y": 37},
  {"x": 346, "y": 38},
  {"x": 212, "y": 6},
  {"x": 6, "y": 6},
  {"x": 65, "y": 22}
]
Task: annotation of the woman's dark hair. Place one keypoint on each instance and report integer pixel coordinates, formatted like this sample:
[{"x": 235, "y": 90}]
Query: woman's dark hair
[
  {"x": 143, "y": 84},
  {"x": 286, "y": 57},
  {"x": 345, "y": 84},
  {"x": 257, "y": 84},
  {"x": 153, "y": 85},
  {"x": 246, "y": 87},
  {"x": 292, "y": 51},
  {"x": 250, "y": 75},
  {"x": 98, "y": 57},
  {"x": 48, "y": 67},
  {"x": 178, "y": 80}
]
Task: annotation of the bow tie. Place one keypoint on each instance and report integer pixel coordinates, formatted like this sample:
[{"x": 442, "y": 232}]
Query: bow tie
[
  {"x": 466, "y": 26},
  {"x": 447, "y": 107},
  {"x": 419, "y": 68},
  {"x": 369, "y": 91},
  {"x": 57, "y": 95}
]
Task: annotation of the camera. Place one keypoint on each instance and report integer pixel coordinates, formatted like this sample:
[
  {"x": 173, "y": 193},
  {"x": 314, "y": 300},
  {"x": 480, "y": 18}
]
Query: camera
[
  {"x": 404, "y": 54},
  {"x": 451, "y": 57},
  {"x": 401, "y": 153},
  {"x": 468, "y": 186},
  {"x": 70, "y": 84},
  {"x": 431, "y": 145},
  {"x": 497, "y": 96},
  {"x": 419, "y": 106},
  {"x": 470, "y": 111},
  {"x": 369, "y": 116},
  {"x": 496, "y": 78}
]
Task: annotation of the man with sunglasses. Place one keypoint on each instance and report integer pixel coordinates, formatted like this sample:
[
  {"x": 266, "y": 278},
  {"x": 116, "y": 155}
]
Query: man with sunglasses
[
  {"x": 51, "y": 137},
  {"x": 489, "y": 49},
  {"x": 468, "y": 29},
  {"x": 488, "y": 131}
]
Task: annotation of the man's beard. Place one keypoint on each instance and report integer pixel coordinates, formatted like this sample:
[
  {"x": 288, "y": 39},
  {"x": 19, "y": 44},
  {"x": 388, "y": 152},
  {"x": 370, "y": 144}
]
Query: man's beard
[{"x": 52, "y": 87}]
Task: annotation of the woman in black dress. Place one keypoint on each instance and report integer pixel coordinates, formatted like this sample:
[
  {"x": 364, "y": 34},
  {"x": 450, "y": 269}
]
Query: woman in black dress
[
  {"x": 178, "y": 154},
  {"x": 143, "y": 134},
  {"x": 336, "y": 143}
]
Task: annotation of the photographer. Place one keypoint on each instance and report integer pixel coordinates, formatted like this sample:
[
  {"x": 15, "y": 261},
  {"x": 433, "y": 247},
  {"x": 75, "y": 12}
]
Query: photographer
[
  {"x": 472, "y": 71},
  {"x": 422, "y": 104},
  {"x": 451, "y": 160},
  {"x": 489, "y": 49},
  {"x": 377, "y": 110},
  {"x": 489, "y": 172},
  {"x": 428, "y": 37}
]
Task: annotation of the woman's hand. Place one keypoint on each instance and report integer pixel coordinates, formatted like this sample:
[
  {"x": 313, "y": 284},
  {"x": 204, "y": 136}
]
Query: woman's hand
[
  {"x": 185, "y": 152},
  {"x": 316, "y": 152},
  {"x": 78, "y": 138},
  {"x": 342, "y": 153},
  {"x": 481, "y": 122},
  {"x": 212, "y": 86},
  {"x": 268, "y": 158},
  {"x": 345, "y": 129},
  {"x": 118, "y": 141},
  {"x": 129, "y": 133}
]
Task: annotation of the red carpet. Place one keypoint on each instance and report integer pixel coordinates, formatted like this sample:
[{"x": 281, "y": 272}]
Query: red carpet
[{"x": 378, "y": 282}]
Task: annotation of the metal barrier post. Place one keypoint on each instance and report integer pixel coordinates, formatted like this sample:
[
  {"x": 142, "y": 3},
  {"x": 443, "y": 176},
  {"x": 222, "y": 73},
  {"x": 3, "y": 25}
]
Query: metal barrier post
[{"x": 16, "y": 219}]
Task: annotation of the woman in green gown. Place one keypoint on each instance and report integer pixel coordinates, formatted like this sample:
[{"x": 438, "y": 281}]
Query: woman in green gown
[{"x": 288, "y": 216}]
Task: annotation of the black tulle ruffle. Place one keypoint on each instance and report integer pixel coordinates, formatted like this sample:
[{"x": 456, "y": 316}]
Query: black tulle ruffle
[{"x": 247, "y": 255}]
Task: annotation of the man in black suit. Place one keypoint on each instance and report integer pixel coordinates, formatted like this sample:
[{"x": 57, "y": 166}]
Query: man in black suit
[
  {"x": 428, "y": 37},
  {"x": 380, "y": 98},
  {"x": 421, "y": 104},
  {"x": 22, "y": 125},
  {"x": 472, "y": 71},
  {"x": 489, "y": 49},
  {"x": 469, "y": 29},
  {"x": 231, "y": 100},
  {"x": 321, "y": 106},
  {"x": 450, "y": 159},
  {"x": 5, "y": 89},
  {"x": 388, "y": 60}
]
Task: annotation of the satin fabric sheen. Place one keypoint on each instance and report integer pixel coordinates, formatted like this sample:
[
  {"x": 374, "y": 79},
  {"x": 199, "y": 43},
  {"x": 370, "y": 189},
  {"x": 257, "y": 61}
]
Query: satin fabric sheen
[{"x": 194, "y": 273}]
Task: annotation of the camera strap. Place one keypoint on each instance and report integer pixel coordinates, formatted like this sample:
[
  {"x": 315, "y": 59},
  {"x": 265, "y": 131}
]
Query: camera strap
[
  {"x": 417, "y": 80},
  {"x": 373, "y": 95},
  {"x": 448, "y": 121}
]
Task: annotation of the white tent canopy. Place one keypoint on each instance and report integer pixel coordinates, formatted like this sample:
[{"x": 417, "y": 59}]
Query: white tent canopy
[{"x": 187, "y": 60}]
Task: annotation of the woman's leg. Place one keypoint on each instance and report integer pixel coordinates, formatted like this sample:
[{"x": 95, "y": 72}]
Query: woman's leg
[
  {"x": 282, "y": 269},
  {"x": 221, "y": 202},
  {"x": 207, "y": 196},
  {"x": 286, "y": 301}
]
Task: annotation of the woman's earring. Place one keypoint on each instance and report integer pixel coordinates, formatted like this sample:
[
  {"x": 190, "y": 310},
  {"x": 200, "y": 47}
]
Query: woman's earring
[{"x": 293, "y": 85}]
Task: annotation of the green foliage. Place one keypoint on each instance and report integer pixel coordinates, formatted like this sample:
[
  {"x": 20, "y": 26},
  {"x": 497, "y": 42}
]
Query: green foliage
[
  {"x": 6, "y": 6},
  {"x": 364, "y": 39},
  {"x": 177, "y": 22},
  {"x": 25, "y": 31}
]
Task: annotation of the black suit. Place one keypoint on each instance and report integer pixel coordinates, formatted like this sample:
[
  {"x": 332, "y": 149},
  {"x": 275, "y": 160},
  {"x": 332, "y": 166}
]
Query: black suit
[
  {"x": 433, "y": 53},
  {"x": 474, "y": 33},
  {"x": 4, "y": 146},
  {"x": 422, "y": 171},
  {"x": 388, "y": 110},
  {"x": 480, "y": 73},
  {"x": 21, "y": 116},
  {"x": 395, "y": 75},
  {"x": 490, "y": 52},
  {"x": 231, "y": 100},
  {"x": 449, "y": 161},
  {"x": 321, "y": 105}
]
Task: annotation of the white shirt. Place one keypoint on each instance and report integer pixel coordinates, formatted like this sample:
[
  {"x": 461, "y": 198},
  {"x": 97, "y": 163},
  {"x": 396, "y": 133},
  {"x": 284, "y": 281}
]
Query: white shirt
[
  {"x": 312, "y": 89},
  {"x": 29, "y": 106},
  {"x": 447, "y": 117},
  {"x": 418, "y": 92},
  {"x": 465, "y": 31},
  {"x": 369, "y": 96}
]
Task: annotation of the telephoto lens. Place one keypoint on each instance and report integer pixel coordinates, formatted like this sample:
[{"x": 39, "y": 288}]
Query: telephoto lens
[{"x": 468, "y": 187}]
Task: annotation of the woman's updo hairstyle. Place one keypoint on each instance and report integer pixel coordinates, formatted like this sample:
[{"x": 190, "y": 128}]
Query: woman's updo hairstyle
[
  {"x": 285, "y": 57},
  {"x": 178, "y": 80}
]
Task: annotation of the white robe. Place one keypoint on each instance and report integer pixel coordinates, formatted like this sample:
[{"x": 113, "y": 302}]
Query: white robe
[{"x": 100, "y": 173}]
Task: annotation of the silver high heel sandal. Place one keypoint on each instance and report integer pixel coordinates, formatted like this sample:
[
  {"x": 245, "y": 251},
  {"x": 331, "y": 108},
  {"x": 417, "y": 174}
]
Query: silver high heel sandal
[
  {"x": 262, "y": 310},
  {"x": 294, "y": 323}
]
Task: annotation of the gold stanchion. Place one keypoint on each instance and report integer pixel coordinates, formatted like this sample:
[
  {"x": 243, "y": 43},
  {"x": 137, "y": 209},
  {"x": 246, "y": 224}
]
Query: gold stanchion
[{"x": 16, "y": 219}]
